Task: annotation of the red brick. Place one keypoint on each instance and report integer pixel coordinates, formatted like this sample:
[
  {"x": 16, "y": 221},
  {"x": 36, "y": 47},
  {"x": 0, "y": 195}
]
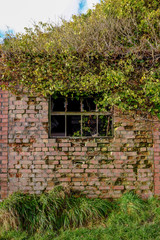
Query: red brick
[
  {"x": 89, "y": 144},
  {"x": 68, "y": 179},
  {"x": 77, "y": 179},
  {"x": 64, "y": 144}
]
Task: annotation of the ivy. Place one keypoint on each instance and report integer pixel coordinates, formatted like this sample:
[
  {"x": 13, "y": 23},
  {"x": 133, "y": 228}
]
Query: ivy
[{"x": 112, "y": 51}]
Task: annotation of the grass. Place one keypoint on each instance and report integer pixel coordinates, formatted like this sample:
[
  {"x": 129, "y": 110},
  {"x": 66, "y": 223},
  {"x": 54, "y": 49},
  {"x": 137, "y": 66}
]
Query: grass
[
  {"x": 58, "y": 209},
  {"x": 60, "y": 215}
]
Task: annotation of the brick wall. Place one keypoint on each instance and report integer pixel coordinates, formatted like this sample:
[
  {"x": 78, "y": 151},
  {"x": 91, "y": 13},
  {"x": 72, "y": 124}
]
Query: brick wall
[
  {"x": 3, "y": 143},
  {"x": 156, "y": 137},
  {"x": 97, "y": 167}
]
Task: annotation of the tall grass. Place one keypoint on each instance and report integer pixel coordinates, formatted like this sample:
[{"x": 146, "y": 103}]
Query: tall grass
[
  {"x": 19, "y": 211},
  {"x": 130, "y": 208},
  {"x": 55, "y": 210},
  {"x": 59, "y": 215},
  {"x": 131, "y": 219}
]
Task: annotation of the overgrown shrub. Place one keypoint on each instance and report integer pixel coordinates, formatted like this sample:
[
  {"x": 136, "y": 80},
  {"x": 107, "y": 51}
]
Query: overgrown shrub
[{"x": 112, "y": 51}]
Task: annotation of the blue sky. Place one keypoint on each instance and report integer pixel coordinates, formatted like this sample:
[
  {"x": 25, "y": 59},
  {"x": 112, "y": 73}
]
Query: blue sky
[
  {"x": 82, "y": 6},
  {"x": 17, "y": 14}
]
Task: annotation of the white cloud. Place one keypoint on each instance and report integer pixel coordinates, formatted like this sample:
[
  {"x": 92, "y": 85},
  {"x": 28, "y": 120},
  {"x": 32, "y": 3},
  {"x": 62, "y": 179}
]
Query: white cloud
[
  {"x": 17, "y": 14},
  {"x": 91, "y": 3}
]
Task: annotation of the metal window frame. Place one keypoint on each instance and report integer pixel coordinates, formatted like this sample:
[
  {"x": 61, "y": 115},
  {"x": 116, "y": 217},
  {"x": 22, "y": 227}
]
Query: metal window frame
[{"x": 82, "y": 113}]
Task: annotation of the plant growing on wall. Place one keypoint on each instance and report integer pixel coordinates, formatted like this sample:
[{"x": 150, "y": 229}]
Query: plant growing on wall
[{"x": 112, "y": 51}]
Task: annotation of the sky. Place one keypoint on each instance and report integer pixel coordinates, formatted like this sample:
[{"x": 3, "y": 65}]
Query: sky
[{"x": 17, "y": 14}]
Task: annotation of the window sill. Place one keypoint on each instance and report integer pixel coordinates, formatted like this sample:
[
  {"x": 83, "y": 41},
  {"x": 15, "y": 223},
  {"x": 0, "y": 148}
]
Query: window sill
[{"x": 87, "y": 137}]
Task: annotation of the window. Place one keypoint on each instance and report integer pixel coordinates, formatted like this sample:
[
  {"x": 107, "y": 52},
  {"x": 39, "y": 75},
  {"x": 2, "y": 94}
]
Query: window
[{"x": 71, "y": 117}]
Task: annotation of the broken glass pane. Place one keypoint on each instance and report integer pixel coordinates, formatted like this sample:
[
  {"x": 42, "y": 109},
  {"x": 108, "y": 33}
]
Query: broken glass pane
[
  {"x": 89, "y": 104},
  {"x": 58, "y": 105},
  {"x": 58, "y": 125},
  {"x": 89, "y": 125},
  {"x": 104, "y": 125},
  {"x": 74, "y": 125},
  {"x": 73, "y": 105}
]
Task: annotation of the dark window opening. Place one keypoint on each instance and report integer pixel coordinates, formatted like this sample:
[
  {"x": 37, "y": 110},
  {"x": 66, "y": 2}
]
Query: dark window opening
[
  {"x": 58, "y": 125},
  {"x": 89, "y": 127},
  {"x": 74, "y": 125},
  {"x": 58, "y": 104},
  {"x": 89, "y": 104},
  {"x": 73, "y": 105},
  {"x": 78, "y": 118}
]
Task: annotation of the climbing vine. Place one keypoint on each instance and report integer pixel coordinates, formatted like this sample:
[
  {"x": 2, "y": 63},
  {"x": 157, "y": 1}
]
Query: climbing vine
[{"x": 113, "y": 51}]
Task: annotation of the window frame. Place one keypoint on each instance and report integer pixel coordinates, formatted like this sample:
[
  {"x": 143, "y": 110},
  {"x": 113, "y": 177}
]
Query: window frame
[{"x": 81, "y": 113}]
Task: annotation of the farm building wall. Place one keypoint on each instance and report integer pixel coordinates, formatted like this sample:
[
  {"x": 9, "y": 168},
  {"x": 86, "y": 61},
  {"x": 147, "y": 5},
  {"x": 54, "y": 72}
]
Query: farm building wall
[{"x": 97, "y": 167}]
